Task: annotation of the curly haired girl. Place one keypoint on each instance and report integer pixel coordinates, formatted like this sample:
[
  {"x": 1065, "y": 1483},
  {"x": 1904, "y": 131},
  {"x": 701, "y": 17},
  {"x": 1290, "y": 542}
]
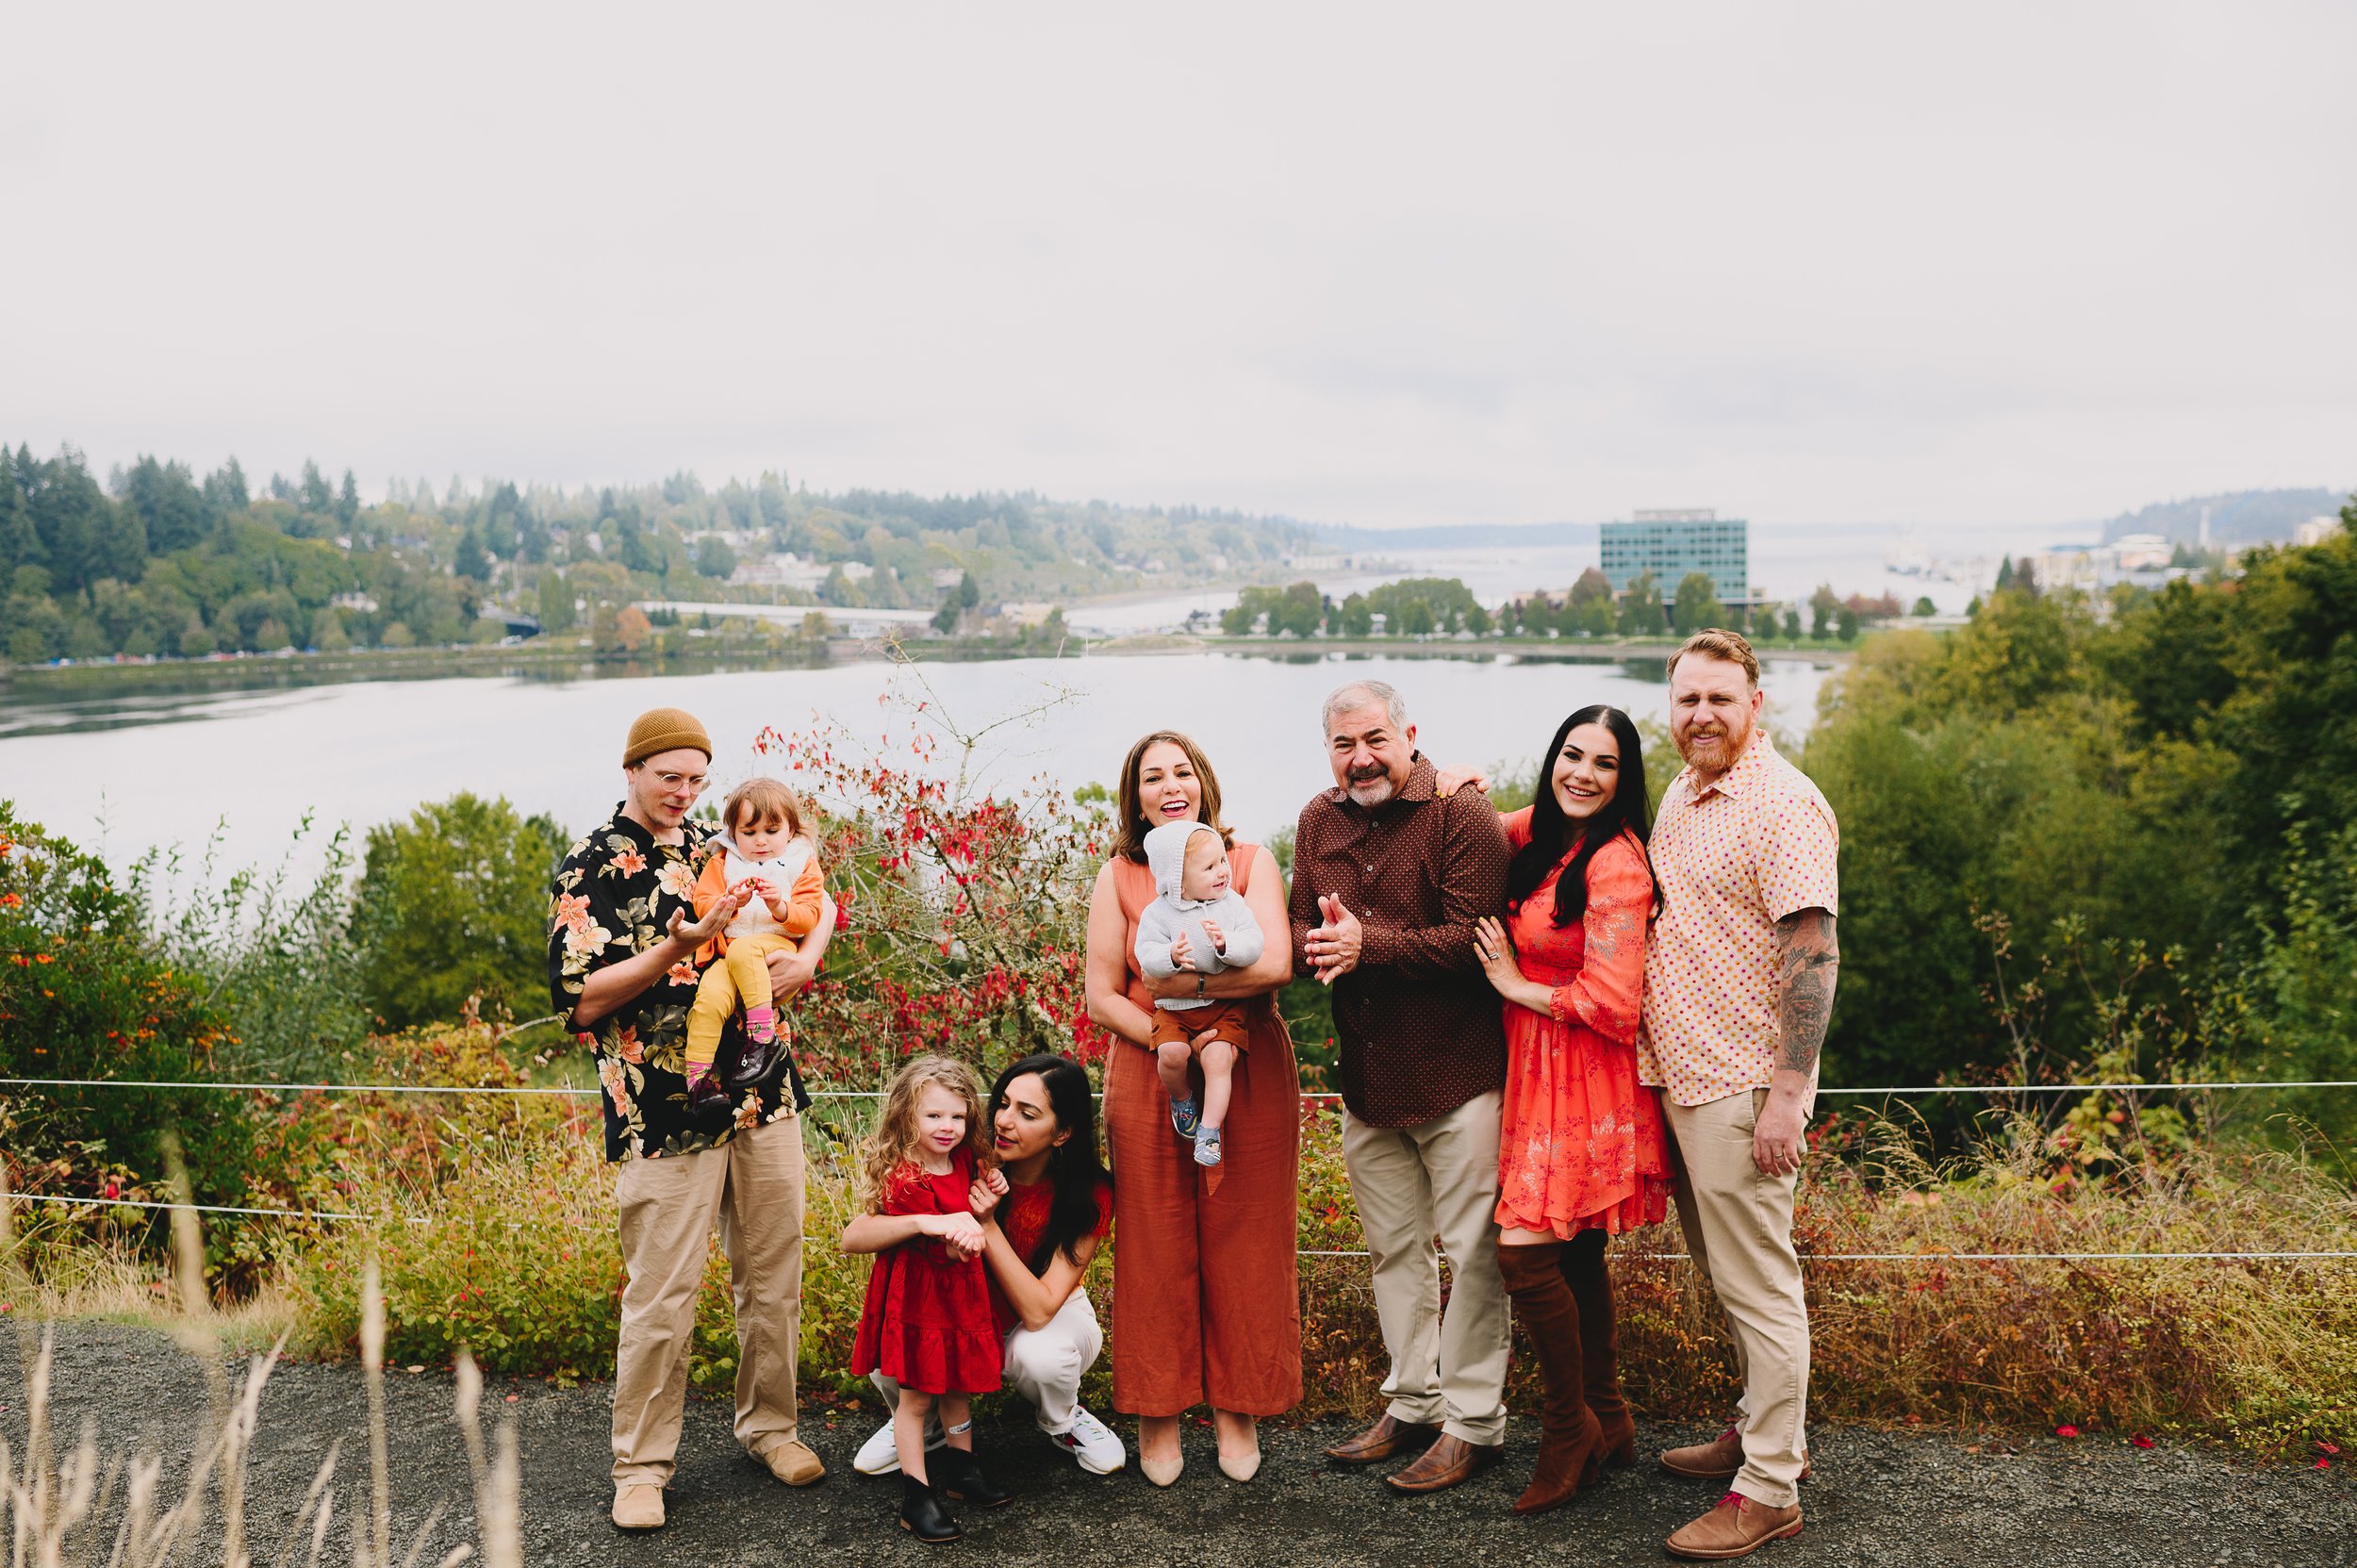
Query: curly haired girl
[{"x": 927, "y": 1324}]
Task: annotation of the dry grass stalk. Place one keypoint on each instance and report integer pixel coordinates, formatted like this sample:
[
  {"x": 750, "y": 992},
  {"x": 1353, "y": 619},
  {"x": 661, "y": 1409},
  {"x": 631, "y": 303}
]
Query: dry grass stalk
[{"x": 79, "y": 1510}]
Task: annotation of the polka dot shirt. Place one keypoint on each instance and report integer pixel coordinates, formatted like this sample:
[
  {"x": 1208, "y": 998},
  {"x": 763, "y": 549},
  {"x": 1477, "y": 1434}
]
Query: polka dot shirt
[{"x": 1732, "y": 860}]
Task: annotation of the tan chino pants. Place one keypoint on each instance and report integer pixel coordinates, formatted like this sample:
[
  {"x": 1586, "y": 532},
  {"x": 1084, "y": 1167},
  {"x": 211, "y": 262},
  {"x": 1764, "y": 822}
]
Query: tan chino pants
[
  {"x": 753, "y": 1185},
  {"x": 1739, "y": 1227},
  {"x": 1437, "y": 1177}
]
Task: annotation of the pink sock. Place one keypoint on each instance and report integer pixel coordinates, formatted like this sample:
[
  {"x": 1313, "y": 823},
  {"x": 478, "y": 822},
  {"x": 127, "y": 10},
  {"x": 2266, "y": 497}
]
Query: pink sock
[{"x": 761, "y": 1023}]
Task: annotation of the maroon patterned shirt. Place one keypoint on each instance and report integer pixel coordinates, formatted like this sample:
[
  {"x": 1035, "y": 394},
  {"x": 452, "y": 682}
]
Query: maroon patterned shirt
[{"x": 1421, "y": 1029}]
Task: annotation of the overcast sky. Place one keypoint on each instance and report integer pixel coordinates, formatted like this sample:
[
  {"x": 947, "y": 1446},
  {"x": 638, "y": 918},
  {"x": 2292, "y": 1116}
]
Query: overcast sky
[{"x": 1982, "y": 264}]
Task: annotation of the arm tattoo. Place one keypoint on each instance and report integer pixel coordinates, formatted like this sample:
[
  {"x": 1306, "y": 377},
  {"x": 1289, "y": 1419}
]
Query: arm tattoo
[{"x": 1808, "y": 959}]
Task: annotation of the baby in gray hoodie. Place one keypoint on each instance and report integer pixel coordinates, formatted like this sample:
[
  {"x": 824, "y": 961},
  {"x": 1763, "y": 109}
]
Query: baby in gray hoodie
[{"x": 1198, "y": 922}]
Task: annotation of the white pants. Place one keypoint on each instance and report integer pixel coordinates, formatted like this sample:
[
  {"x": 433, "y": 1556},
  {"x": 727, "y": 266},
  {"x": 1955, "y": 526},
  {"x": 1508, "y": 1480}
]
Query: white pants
[{"x": 1043, "y": 1365}]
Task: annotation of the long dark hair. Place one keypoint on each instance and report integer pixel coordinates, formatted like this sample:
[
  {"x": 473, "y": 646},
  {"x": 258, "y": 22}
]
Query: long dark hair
[
  {"x": 1551, "y": 833},
  {"x": 1074, "y": 1173}
]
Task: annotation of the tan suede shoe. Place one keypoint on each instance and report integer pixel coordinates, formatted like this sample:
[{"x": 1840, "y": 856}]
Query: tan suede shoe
[
  {"x": 794, "y": 1462},
  {"x": 1736, "y": 1528},
  {"x": 638, "y": 1508},
  {"x": 1720, "y": 1460}
]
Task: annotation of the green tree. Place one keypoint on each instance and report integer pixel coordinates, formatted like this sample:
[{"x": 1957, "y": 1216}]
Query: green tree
[
  {"x": 1846, "y": 624},
  {"x": 1697, "y": 605},
  {"x": 19, "y": 542},
  {"x": 1352, "y": 618},
  {"x": 225, "y": 491},
  {"x": 1792, "y": 625},
  {"x": 713, "y": 558},
  {"x": 348, "y": 500},
  {"x": 1298, "y": 610},
  {"x": 452, "y": 904},
  {"x": 170, "y": 508},
  {"x": 1924, "y": 608},
  {"x": 556, "y": 601},
  {"x": 1641, "y": 615},
  {"x": 315, "y": 497},
  {"x": 1822, "y": 607},
  {"x": 946, "y": 619},
  {"x": 472, "y": 561}
]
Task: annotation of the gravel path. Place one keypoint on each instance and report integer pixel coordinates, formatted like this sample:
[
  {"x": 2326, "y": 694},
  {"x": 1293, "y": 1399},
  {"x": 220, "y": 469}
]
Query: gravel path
[{"x": 1879, "y": 1497}]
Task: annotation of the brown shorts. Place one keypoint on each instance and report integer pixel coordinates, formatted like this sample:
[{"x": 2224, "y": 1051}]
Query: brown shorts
[{"x": 1230, "y": 1020}]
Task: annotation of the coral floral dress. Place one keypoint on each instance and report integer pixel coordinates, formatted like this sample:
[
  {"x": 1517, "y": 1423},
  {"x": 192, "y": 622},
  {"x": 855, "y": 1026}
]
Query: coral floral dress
[
  {"x": 928, "y": 1322},
  {"x": 1581, "y": 1148}
]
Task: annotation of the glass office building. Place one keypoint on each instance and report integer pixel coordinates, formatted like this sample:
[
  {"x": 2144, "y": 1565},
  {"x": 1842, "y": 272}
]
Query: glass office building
[{"x": 1671, "y": 544}]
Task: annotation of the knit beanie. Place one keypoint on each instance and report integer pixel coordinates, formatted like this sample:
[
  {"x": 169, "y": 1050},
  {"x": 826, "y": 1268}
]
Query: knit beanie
[{"x": 664, "y": 729}]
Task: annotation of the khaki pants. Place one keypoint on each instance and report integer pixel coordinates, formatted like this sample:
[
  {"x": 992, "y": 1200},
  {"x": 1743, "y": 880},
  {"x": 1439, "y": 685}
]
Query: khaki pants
[
  {"x": 1739, "y": 1227},
  {"x": 1044, "y": 1365},
  {"x": 1441, "y": 1178},
  {"x": 752, "y": 1184}
]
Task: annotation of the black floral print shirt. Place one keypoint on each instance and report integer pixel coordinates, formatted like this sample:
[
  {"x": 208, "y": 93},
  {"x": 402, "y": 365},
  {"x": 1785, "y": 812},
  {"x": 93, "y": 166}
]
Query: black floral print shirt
[{"x": 612, "y": 899}]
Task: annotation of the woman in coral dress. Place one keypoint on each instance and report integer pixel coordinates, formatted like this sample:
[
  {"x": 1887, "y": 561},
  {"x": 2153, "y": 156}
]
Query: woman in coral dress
[{"x": 1581, "y": 1153}]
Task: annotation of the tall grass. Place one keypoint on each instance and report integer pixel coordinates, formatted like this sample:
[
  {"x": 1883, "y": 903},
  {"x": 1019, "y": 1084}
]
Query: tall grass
[
  {"x": 521, "y": 1261},
  {"x": 89, "y": 1504}
]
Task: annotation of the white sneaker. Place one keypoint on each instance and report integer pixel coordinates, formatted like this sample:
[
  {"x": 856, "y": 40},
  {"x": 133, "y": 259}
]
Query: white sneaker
[
  {"x": 1093, "y": 1445},
  {"x": 878, "y": 1456}
]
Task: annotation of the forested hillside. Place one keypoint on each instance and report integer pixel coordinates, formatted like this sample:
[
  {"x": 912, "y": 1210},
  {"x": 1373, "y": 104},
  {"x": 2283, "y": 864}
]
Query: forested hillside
[{"x": 158, "y": 561}]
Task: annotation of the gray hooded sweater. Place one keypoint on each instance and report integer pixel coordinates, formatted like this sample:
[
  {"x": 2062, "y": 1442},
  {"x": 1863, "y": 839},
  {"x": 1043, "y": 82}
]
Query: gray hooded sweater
[{"x": 1170, "y": 916}]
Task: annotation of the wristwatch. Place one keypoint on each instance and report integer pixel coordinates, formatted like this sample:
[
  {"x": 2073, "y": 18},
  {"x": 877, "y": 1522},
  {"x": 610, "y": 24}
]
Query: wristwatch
[{"x": 1199, "y": 978}]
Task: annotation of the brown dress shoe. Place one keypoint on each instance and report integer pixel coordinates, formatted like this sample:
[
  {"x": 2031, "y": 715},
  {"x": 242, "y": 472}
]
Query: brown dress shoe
[
  {"x": 1720, "y": 1460},
  {"x": 1736, "y": 1528},
  {"x": 1381, "y": 1441},
  {"x": 1449, "y": 1461}
]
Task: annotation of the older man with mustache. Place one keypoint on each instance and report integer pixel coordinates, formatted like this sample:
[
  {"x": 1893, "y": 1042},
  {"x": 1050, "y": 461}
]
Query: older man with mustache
[
  {"x": 1390, "y": 878},
  {"x": 1739, "y": 988}
]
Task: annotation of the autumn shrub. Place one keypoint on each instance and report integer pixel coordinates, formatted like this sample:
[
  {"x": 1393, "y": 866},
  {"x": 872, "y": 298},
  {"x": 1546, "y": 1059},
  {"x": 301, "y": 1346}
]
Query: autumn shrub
[{"x": 84, "y": 996}]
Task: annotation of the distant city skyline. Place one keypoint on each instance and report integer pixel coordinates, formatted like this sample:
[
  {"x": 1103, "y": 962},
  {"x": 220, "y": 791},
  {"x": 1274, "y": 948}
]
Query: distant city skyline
[{"x": 2014, "y": 267}]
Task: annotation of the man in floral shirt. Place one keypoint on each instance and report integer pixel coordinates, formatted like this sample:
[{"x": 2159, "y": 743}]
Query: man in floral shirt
[{"x": 622, "y": 939}]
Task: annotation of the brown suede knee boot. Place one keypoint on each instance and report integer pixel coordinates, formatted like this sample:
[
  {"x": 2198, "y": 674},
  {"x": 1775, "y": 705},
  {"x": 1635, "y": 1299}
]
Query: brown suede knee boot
[
  {"x": 1582, "y": 1263},
  {"x": 1569, "y": 1444}
]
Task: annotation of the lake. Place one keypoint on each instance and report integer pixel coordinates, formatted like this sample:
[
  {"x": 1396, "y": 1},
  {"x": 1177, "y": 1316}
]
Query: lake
[{"x": 124, "y": 776}]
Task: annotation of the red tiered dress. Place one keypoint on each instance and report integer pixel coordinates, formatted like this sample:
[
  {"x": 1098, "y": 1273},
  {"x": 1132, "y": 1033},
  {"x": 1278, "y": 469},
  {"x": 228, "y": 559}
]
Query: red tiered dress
[
  {"x": 927, "y": 1324},
  {"x": 1581, "y": 1146}
]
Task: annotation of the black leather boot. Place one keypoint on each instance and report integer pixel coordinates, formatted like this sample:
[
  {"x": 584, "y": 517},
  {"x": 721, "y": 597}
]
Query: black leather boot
[
  {"x": 957, "y": 1472},
  {"x": 921, "y": 1513}
]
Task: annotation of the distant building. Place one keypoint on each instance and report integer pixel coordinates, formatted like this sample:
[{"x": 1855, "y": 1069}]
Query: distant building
[
  {"x": 1672, "y": 544},
  {"x": 2315, "y": 531}
]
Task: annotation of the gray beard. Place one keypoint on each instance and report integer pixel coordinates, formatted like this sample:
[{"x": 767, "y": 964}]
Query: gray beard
[{"x": 1373, "y": 792}]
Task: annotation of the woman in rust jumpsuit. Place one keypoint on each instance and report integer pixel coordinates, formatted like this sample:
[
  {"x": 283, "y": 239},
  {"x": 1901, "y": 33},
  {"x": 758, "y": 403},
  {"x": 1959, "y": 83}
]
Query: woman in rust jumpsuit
[{"x": 1205, "y": 1305}]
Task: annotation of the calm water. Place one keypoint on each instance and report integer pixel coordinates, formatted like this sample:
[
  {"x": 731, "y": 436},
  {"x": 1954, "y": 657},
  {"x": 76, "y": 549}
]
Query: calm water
[{"x": 172, "y": 769}]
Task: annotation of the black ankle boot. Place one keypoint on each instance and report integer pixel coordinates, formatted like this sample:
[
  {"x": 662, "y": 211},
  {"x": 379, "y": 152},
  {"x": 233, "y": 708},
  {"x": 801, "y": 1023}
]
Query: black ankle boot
[
  {"x": 710, "y": 1106},
  {"x": 960, "y": 1474},
  {"x": 921, "y": 1513}
]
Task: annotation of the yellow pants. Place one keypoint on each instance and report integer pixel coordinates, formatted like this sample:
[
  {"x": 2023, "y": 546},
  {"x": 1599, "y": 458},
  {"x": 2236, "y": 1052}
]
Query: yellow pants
[{"x": 740, "y": 975}]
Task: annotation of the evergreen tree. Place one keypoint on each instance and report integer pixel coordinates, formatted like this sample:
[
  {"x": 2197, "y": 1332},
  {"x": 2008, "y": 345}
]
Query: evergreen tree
[
  {"x": 472, "y": 560},
  {"x": 315, "y": 495},
  {"x": 348, "y": 501},
  {"x": 225, "y": 491},
  {"x": 19, "y": 545},
  {"x": 170, "y": 507}
]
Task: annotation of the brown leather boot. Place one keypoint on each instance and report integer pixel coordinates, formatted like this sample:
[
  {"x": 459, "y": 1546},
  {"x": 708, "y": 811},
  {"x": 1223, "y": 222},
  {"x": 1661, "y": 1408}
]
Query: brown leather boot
[
  {"x": 1582, "y": 1264},
  {"x": 1570, "y": 1447}
]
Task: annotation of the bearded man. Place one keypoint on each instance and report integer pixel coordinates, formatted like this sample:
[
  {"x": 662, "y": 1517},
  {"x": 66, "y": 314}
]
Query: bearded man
[{"x": 1739, "y": 988}]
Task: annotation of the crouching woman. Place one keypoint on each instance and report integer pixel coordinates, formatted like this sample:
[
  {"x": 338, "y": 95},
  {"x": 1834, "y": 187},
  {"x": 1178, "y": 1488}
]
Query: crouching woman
[{"x": 1043, "y": 1214}]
